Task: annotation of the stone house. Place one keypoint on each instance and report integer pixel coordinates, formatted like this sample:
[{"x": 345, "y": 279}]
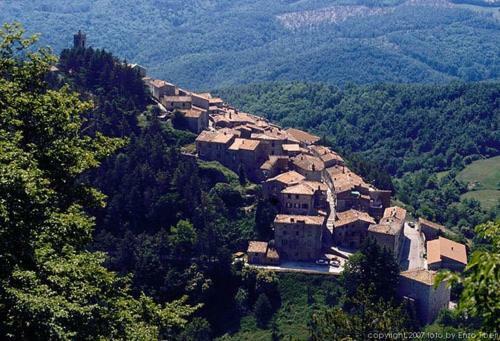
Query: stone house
[
  {"x": 304, "y": 198},
  {"x": 351, "y": 228},
  {"x": 272, "y": 187},
  {"x": 303, "y": 138},
  {"x": 430, "y": 229},
  {"x": 329, "y": 157},
  {"x": 388, "y": 232},
  {"x": 262, "y": 253},
  {"x": 309, "y": 166},
  {"x": 160, "y": 88},
  {"x": 247, "y": 154},
  {"x": 196, "y": 119},
  {"x": 206, "y": 101},
  {"x": 213, "y": 145},
  {"x": 172, "y": 103},
  {"x": 274, "y": 165},
  {"x": 272, "y": 140},
  {"x": 298, "y": 237},
  {"x": 443, "y": 253},
  {"x": 418, "y": 286},
  {"x": 292, "y": 149}
]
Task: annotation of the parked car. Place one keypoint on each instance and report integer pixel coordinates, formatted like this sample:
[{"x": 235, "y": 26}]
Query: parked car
[
  {"x": 411, "y": 224},
  {"x": 335, "y": 263},
  {"x": 322, "y": 261}
]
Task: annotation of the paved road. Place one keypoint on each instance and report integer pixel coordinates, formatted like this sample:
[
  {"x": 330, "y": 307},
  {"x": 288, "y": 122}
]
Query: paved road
[
  {"x": 303, "y": 267},
  {"x": 412, "y": 256}
]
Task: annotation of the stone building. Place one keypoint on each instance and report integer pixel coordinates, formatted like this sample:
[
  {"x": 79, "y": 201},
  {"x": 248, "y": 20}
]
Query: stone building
[
  {"x": 430, "y": 229},
  {"x": 160, "y": 88},
  {"x": 388, "y": 232},
  {"x": 309, "y": 166},
  {"x": 172, "y": 103},
  {"x": 274, "y": 165},
  {"x": 248, "y": 154},
  {"x": 213, "y": 145},
  {"x": 443, "y": 253},
  {"x": 303, "y": 138},
  {"x": 272, "y": 187},
  {"x": 141, "y": 70},
  {"x": 417, "y": 286},
  {"x": 329, "y": 157},
  {"x": 262, "y": 253},
  {"x": 292, "y": 149},
  {"x": 298, "y": 237},
  {"x": 272, "y": 141},
  {"x": 79, "y": 40},
  {"x": 351, "y": 228},
  {"x": 196, "y": 119},
  {"x": 304, "y": 198},
  {"x": 206, "y": 101},
  {"x": 352, "y": 192}
]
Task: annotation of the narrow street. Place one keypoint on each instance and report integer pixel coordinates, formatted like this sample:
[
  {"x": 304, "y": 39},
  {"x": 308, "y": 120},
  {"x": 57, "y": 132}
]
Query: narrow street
[{"x": 412, "y": 255}]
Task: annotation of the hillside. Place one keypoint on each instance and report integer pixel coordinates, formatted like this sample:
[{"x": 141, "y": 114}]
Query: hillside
[
  {"x": 215, "y": 43},
  {"x": 483, "y": 181},
  {"x": 404, "y": 127}
]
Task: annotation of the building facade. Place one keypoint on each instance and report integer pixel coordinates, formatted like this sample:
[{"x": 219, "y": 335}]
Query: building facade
[
  {"x": 418, "y": 285},
  {"x": 298, "y": 237}
]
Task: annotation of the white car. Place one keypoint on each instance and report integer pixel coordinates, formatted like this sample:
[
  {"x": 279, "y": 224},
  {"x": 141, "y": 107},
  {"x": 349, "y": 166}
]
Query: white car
[
  {"x": 335, "y": 263},
  {"x": 322, "y": 262}
]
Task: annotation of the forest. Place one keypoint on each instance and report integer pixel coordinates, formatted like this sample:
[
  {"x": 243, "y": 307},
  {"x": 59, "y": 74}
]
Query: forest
[
  {"x": 204, "y": 45},
  {"x": 134, "y": 240}
]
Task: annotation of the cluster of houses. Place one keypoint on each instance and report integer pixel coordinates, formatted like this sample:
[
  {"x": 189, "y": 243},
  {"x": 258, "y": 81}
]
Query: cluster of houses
[{"x": 321, "y": 202}]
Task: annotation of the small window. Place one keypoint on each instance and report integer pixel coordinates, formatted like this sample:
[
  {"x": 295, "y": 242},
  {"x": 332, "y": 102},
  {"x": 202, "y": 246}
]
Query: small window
[
  {"x": 296, "y": 233},
  {"x": 296, "y": 196},
  {"x": 305, "y": 206},
  {"x": 289, "y": 196}
]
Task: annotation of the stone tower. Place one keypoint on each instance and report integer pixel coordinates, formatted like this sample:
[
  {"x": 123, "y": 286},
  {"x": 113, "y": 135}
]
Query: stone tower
[{"x": 79, "y": 40}]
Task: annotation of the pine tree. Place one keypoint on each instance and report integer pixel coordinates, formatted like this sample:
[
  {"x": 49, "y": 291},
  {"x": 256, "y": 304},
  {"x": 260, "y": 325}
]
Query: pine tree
[{"x": 51, "y": 287}]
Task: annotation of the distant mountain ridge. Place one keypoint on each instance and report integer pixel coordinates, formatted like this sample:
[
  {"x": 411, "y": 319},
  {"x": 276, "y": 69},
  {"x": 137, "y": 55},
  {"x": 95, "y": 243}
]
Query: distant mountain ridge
[{"x": 206, "y": 44}]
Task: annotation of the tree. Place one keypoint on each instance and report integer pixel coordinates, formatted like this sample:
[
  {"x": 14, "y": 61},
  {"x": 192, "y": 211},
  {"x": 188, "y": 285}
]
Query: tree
[
  {"x": 51, "y": 287},
  {"x": 373, "y": 270},
  {"x": 263, "y": 311},
  {"x": 481, "y": 280},
  {"x": 242, "y": 176}
]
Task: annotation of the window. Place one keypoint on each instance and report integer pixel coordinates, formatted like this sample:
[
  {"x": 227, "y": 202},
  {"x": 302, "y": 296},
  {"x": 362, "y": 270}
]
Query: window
[
  {"x": 284, "y": 242},
  {"x": 305, "y": 206},
  {"x": 289, "y": 196},
  {"x": 296, "y": 205},
  {"x": 296, "y": 233},
  {"x": 296, "y": 196},
  {"x": 284, "y": 232}
]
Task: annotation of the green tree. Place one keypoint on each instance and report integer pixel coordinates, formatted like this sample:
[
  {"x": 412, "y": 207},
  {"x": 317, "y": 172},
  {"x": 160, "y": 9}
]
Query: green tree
[
  {"x": 373, "y": 270},
  {"x": 263, "y": 311},
  {"x": 481, "y": 280},
  {"x": 50, "y": 286}
]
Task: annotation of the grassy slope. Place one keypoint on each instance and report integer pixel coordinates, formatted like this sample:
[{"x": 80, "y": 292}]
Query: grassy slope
[
  {"x": 483, "y": 179},
  {"x": 294, "y": 314}
]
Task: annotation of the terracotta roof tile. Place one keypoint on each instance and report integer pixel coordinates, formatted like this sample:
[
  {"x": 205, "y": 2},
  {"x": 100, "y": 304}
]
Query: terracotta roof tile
[
  {"x": 443, "y": 247},
  {"x": 305, "y": 219},
  {"x": 350, "y": 216},
  {"x": 244, "y": 144},
  {"x": 423, "y": 276},
  {"x": 257, "y": 247},
  {"x": 303, "y": 136}
]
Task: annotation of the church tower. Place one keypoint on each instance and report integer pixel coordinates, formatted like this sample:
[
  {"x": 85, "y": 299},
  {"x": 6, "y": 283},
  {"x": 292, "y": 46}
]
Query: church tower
[{"x": 79, "y": 40}]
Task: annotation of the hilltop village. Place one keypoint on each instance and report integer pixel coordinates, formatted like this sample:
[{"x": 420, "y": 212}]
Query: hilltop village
[{"x": 326, "y": 211}]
